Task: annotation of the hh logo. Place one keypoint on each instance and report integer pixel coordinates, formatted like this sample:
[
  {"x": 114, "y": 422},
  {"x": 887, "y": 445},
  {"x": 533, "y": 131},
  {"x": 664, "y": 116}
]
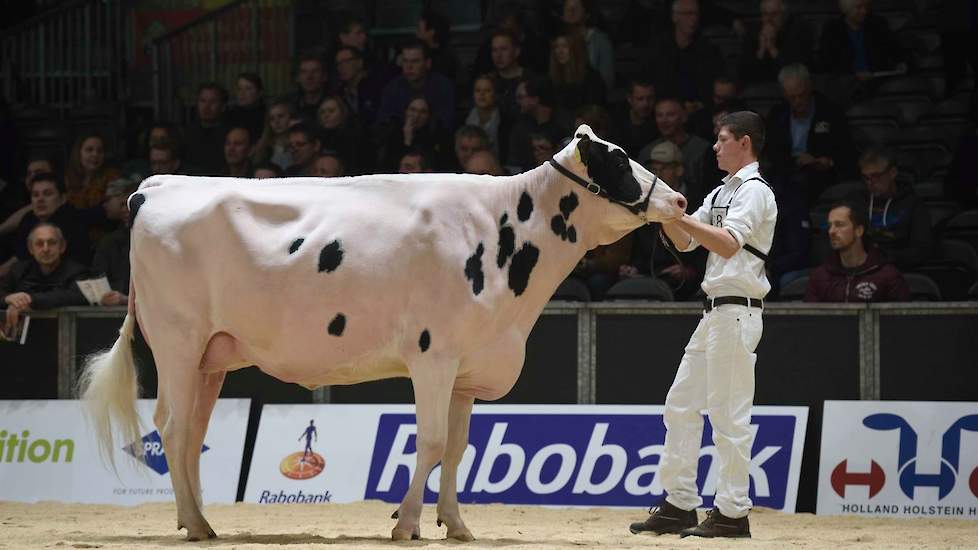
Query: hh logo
[
  {"x": 907, "y": 473},
  {"x": 153, "y": 455}
]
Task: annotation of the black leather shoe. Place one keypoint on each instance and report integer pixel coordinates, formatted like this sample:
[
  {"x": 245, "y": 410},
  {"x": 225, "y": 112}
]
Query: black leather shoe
[
  {"x": 719, "y": 525},
  {"x": 665, "y": 518}
]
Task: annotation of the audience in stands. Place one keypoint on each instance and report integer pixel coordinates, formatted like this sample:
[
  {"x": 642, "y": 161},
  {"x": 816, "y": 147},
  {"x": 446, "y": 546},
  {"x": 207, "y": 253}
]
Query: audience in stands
[
  {"x": 859, "y": 43},
  {"x": 670, "y": 118},
  {"x": 328, "y": 165},
  {"x": 777, "y": 40},
  {"x": 304, "y": 147},
  {"x": 340, "y": 132},
  {"x": 88, "y": 172},
  {"x": 204, "y": 136},
  {"x": 579, "y": 19},
  {"x": 854, "y": 272},
  {"x": 311, "y": 78},
  {"x": 809, "y": 142},
  {"x": 575, "y": 82},
  {"x": 468, "y": 140},
  {"x": 164, "y": 159},
  {"x": 273, "y": 147},
  {"x": 899, "y": 222},
  {"x": 417, "y": 79},
  {"x": 238, "y": 150},
  {"x": 418, "y": 128},
  {"x": 487, "y": 115},
  {"x": 538, "y": 115},
  {"x": 511, "y": 18},
  {"x": 483, "y": 162},
  {"x": 49, "y": 205},
  {"x": 249, "y": 108},
  {"x": 414, "y": 161},
  {"x": 434, "y": 29},
  {"x": 43, "y": 280},
  {"x": 633, "y": 125},
  {"x": 359, "y": 86},
  {"x": 267, "y": 170},
  {"x": 111, "y": 258}
]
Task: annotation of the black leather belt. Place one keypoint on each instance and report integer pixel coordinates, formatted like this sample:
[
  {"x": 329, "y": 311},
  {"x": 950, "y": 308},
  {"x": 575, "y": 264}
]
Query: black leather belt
[{"x": 710, "y": 303}]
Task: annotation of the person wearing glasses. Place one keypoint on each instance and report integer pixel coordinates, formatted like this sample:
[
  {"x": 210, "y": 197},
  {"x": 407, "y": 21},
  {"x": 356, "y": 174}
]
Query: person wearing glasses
[{"x": 304, "y": 147}]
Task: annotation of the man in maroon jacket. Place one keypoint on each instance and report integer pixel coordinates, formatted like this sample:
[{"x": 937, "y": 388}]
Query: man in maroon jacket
[{"x": 853, "y": 273}]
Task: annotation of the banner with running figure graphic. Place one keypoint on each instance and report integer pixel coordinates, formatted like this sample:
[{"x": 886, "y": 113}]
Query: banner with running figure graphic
[
  {"x": 895, "y": 458},
  {"x": 567, "y": 455}
]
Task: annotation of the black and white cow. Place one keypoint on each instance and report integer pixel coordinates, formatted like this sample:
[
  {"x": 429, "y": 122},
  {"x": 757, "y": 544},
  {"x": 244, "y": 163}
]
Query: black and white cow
[{"x": 436, "y": 277}]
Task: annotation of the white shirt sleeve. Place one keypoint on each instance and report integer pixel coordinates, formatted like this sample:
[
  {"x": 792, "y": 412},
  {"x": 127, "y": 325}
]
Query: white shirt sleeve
[
  {"x": 702, "y": 214},
  {"x": 747, "y": 210}
]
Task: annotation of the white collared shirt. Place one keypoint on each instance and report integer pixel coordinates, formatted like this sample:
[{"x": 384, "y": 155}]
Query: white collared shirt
[{"x": 748, "y": 211}]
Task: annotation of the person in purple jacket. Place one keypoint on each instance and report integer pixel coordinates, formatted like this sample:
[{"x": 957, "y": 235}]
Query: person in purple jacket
[{"x": 854, "y": 272}]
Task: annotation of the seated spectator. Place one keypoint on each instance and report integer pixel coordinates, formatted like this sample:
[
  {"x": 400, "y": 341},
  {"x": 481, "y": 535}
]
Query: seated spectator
[
  {"x": 594, "y": 116},
  {"x": 485, "y": 163},
  {"x": 414, "y": 161},
  {"x": 358, "y": 85},
  {"x": 510, "y": 17},
  {"x": 808, "y": 137},
  {"x": 311, "y": 78},
  {"x": 44, "y": 280},
  {"x": 854, "y": 273},
  {"x": 682, "y": 63},
  {"x": 158, "y": 133},
  {"x": 670, "y": 119},
  {"x": 249, "y": 110},
  {"x": 725, "y": 90},
  {"x": 204, "y": 137},
  {"x": 304, "y": 147},
  {"x": 899, "y": 222},
  {"x": 88, "y": 172},
  {"x": 487, "y": 115},
  {"x": 37, "y": 164},
  {"x": 778, "y": 39},
  {"x": 538, "y": 115},
  {"x": 507, "y": 71},
  {"x": 340, "y": 132},
  {"x": 649, "y": 254},
  {"x": 48, "y": 204},
  {"x": 273, "y": 146},
  {"x": 352, "y": 33},
  {"x": 328, "y": 165},
  {"x": 859, "y": 43},
  {"x": 266, "y": 171},
  {"x": 434, "y": 29},
  {"x": 575, "y": 82},
  {"x": 579, "y": 18},
  {"x": 111, "y": 258},
  {"x": 634, "y": 126},
  {"x": 418, "y": 129},
  {"x": 238, "y": 149},
  {"x": 468, "y": 140},
  {"x": 165, "y": 159},
  {"x": 417, "y": 79},
  {"x": 544, "y": 148}
]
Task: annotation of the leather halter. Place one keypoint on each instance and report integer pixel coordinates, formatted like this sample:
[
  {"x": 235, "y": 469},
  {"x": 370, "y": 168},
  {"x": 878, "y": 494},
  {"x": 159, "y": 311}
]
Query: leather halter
[{"x": 639, "y": 209}]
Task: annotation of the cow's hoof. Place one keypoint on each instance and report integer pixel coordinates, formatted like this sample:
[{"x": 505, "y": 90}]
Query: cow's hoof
[
  {"x": 203, "y": 535},
  {"x": 405, "y": 534},
  {"x": 463, "y": 535}
]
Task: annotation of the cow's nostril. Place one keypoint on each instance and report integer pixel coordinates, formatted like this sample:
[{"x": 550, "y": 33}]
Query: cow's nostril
[{"x": 681, "y": 203}]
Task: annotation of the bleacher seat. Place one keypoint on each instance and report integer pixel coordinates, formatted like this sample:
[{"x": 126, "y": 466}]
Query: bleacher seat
[
  {"x": 953, "y": 268},
  {"x": 941, "y": 212},
  {"x": 640, "y": 288},
  {"x": 929, "y": 189},
  {"x": 973, "y": 292},
  {"x": 873, "y": 132},
  {"x": 898, "y": 88},
  {"x": 572, "y": 290},
  {"x": 963, "y": 226},
  {"x": 922, "y": 288},
  {"x": 912, "y": 109},
  {"x": 795, "y": 290},
  {"x": 839, "y": 191},
  {"x": 874, "y": 111}
]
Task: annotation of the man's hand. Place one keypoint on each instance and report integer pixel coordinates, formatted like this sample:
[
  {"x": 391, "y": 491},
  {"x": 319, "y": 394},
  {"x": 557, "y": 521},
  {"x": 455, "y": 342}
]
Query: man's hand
[
  {"x": 114, "y": 298},
  {"x": 628, "y": 271},
  {"x": 804, "y": 159},
  {"x": 11, "y": 319},
  {"x": 20, "y": 300}
]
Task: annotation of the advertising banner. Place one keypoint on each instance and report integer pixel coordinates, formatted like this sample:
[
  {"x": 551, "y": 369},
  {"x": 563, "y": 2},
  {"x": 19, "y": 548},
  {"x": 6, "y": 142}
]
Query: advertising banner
[
  {"x": 897, "y": 458},
  {"x": 566, "y": 455},
  {"x": 49, "y": 452}
]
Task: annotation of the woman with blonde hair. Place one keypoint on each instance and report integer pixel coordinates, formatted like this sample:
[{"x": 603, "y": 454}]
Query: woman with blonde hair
[
  {"x": 273, "y": 146},
  {"x": 88, "y": 174},
  {"x": 575, "y": 82}
]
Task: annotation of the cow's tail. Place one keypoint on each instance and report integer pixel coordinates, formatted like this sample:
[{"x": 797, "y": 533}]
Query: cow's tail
[{"x": 109, "y": 387}]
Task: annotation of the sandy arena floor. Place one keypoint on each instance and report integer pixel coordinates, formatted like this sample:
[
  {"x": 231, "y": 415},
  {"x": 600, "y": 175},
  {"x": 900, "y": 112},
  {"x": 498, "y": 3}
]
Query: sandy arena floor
[{"x": 366, "y": 525}]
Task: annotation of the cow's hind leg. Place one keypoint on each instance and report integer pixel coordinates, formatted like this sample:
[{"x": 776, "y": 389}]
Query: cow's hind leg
[
  {"x": 210, "y": 389},
  {"x": 433, "y": 382},
  {"x": 459, "y": 413},
  {"x": 180, "y": 385}
]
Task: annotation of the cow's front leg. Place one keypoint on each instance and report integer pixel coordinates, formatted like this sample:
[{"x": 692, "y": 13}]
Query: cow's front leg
[
  {"x": 458, "y": 439},
  {"x": 433, "y": 382}
]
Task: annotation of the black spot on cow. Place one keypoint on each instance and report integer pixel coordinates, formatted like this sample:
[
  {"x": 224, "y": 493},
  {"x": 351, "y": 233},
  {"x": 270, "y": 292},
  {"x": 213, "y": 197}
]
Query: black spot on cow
[
  {"x": 337, "y": 325},
  {"x": 424, "y": 341},
  {"x": 473, "y": 269},
  {"x": 135, "y": 202},
  {"x": 558, "y": 226},
  {"x": 507, "y": 244},
  {"x": 504, "y": 219},
  {"x": 572, "y": 234},
  {"x": 568, "y": 204},
  {"x": 522, "y": 266},
  {"x": 330, "y": 257},
  {"x": 525, "y": 208},
  {"x": 295, "y": 245}
]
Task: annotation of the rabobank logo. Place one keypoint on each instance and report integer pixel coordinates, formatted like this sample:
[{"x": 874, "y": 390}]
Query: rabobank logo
[
  {"x": 578, "y": 459},
  {"x": 304, "y": 464},
  {"x": 153, "y": 455}
]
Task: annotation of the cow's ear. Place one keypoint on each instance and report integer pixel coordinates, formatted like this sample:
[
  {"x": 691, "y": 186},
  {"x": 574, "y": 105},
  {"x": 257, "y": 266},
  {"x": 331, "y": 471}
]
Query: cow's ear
[
  {"x": 628, "y": 189},
  {"x": 584, "y": 148}
]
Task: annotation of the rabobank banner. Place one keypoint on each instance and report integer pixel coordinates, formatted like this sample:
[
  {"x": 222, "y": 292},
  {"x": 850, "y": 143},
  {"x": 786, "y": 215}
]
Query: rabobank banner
[
  {"x": 896, "y": 458},
  {"x": 569, "y": 455},
  {"x": 49, "y": 452}
]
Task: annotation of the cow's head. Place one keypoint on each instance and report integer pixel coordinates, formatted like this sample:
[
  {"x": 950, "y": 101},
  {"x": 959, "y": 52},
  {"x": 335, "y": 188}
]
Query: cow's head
[{"x": 604, "y": 169}]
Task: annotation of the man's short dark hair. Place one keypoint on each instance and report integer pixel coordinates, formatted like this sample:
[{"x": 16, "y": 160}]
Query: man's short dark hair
[
  {"x": 49, "y": 177},
  {"x": 309, "y": 55},
  {"x": 304, "y": 129},
  {"x": 515, "y": 40},
  {"x": 216, "y": 87},
  {"x": 251, "y": 138},
  {"x": 254, "y": 78},
  {"x": 469, "y": 130},
  {"x": 415, "y": 44},
  {"x": 858, "y": 213},
  {"x": 539, "y": 87},
  {"x": 271, "y": 167},
  {"x": 877, "y": 154},
  {"x": 347, "y": 20},
  {"x": 746, "y": 123},
  {"x": 355, "y": 52},
  {"x": 168, "y": 147},
  {"x": 331, "y": 153},
  {"x": 438, "y": 23},
  {"x": 639, "y": 82},
  {"x": 422, "y": 155}
]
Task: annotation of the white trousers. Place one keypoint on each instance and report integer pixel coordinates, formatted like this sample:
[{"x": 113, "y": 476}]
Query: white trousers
[{"x": 716, "y": 374}]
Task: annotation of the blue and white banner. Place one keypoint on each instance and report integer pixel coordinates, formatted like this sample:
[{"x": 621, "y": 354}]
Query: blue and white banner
[
  {"x": 572, "y": 455},
  {"x": 895, "y": 458},
  {"x": 48, "y": 451}
]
